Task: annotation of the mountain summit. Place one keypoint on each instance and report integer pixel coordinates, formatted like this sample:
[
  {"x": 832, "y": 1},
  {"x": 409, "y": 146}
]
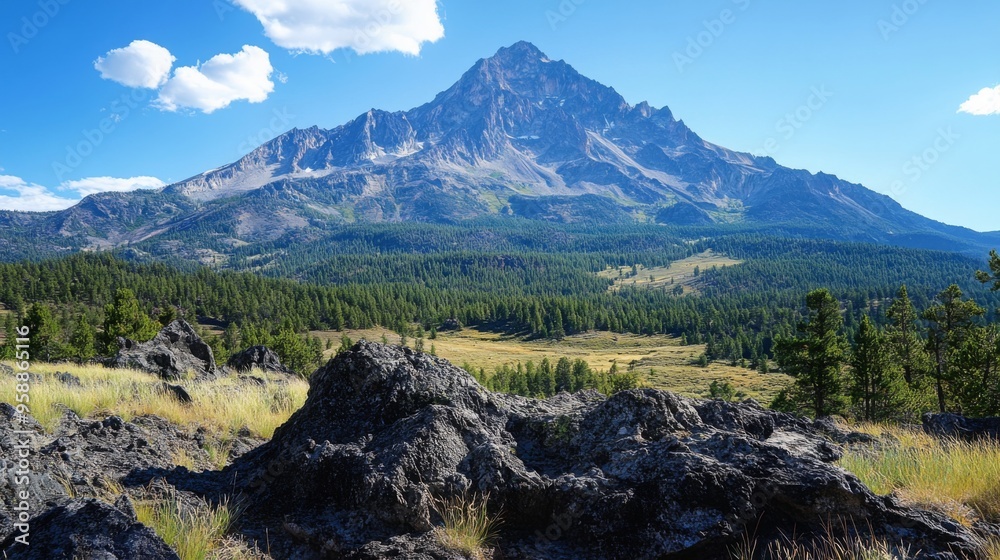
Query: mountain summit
[{"x": 519, "y": 134}]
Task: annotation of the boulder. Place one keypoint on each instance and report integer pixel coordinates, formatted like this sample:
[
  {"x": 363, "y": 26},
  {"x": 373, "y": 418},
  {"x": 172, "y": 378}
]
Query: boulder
[
  {"x": 88, "y": 528},
  {"x": 173, "y": 353},
  {"x": 646, "y": 474},
  {"x": 960, "y": 427},
  {"x": 259, "y": 357}
]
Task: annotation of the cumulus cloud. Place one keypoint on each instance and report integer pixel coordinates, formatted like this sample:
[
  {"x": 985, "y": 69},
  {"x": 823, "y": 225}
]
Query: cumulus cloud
[
  {"x": 367, "y": 26},
  {"x": 986, "y": 102},
  {"x": 18, "y": 194},
  {"x": 218, "y": 82},
  {"x": 94, "y": 185},
  {"x": 142, "y": 64},
  {"x": 29, "y": 197}
]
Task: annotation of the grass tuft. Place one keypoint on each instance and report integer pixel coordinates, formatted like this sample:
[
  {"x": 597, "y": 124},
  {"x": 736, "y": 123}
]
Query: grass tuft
[
  {"x": 468, "y": 529},
  {"x": 194, "y": 533},
  {"x": 834, "y": 543}
]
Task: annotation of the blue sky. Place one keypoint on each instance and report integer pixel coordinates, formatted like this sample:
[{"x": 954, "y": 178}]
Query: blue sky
[{"x": 869, "y": 90}]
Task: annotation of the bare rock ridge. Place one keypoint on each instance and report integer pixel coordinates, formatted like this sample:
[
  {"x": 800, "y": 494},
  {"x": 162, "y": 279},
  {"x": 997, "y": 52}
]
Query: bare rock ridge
[{"x": 386, "y": 431}]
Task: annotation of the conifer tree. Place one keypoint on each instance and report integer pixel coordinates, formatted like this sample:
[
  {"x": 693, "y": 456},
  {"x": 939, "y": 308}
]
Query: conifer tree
[
  {"x": 878, "y": 390},
  {"x": 902, "y": 338},
  {"x": 951, "y": 322},
  {"x": 816, "y": 357}
]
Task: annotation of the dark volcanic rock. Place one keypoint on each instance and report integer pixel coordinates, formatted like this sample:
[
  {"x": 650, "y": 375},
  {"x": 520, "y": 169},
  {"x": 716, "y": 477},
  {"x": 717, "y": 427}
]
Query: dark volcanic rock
[
  {"x": 643, "y": 474},
  {"x": 177, "y": 392},
  {"x": 958, "y": 426},
  {"x": 88, "y": 529},
  {"x": 260, "y": 357},
  {"x": 173, "y": 353}
]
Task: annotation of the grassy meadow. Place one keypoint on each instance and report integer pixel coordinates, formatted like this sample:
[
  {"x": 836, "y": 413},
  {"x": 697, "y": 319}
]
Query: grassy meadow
[
  {"x": 680, "y": 273},
  {"x": 672, "y": 364},
  {"x": 223, "y": 406}
]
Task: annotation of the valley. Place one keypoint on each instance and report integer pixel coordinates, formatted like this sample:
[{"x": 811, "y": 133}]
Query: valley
[{"x": 663, "y": 361}]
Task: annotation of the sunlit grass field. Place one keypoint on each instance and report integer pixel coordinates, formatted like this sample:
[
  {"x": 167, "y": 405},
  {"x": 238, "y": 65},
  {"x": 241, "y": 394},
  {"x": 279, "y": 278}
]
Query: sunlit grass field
[
  {"x": 223, "y": 406},
  {"x": 960, "y": 479},
  {"x": 679, "y": 273},
  {"x": 673, "y": 365}
]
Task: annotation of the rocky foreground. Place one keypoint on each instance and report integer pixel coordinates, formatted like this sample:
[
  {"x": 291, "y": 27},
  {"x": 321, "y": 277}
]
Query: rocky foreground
[{"x": 386, "y": 431}]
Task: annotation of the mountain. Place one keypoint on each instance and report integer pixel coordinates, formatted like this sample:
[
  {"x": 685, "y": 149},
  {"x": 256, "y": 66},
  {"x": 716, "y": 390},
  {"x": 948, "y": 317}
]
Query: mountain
[{"x": 520, "y": 135}]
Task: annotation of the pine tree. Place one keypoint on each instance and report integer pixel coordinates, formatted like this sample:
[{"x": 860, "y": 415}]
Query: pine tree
[
  {"x": 345, "y": 344},
  {"x": 816, "y": 358},
  {"x": 878, "y": 390},
  {"x": 903, "y": 339},
  {"x": 44, "y": 333},
  {"x": 564, "y": 375},
  {"x": 977, "y": 388},
  {"x": 951, "y": 322},
  {"x": 83, "y": 339},
  {"x": 231, "y": 339},
  {"x": 123, "y": 317},
  {"x": 9, "y": 349}
]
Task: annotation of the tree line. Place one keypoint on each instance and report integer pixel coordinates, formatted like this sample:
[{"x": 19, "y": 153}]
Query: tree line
[{"x": 945, "y": 358}]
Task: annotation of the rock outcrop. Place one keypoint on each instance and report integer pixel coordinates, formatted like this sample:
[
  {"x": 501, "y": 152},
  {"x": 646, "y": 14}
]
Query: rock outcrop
[
  {"x": 386, "y": 433},
  {"x": 173, "y": 353},
  {"x": 960, "y": 427},
  {"x": 81, "y": 457},
  {"x": 89, "y": 529},
  {"x": 642, "y": 474},
  {"x": 259, "y": 357}
]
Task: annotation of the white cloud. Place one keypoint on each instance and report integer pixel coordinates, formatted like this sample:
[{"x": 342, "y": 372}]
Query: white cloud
[
  {"x": 142, "y": 64},
  {"x": 986, "y": 102},
  {"x": 94, "y": 185},
  {"x": 367, "y": 26},
  {"x": 224, "y": 78},
  {"x": 30, "y": 197}
]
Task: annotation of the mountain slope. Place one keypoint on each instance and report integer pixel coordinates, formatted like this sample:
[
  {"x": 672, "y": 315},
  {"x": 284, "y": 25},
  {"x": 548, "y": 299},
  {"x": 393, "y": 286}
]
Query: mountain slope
[{"x": 519, "y": 134}]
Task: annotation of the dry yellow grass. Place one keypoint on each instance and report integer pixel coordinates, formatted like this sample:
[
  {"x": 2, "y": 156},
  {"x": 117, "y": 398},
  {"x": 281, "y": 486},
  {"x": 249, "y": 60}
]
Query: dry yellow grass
[
  {"x": 195, "y": 534},
  {"x": 223, "y": 406},
  {"x": 672, "y": 364},
  {"x": 959, "y": 479},
  {"x": 678, "y": 273},
  {"x": 468, "y": 528}
]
